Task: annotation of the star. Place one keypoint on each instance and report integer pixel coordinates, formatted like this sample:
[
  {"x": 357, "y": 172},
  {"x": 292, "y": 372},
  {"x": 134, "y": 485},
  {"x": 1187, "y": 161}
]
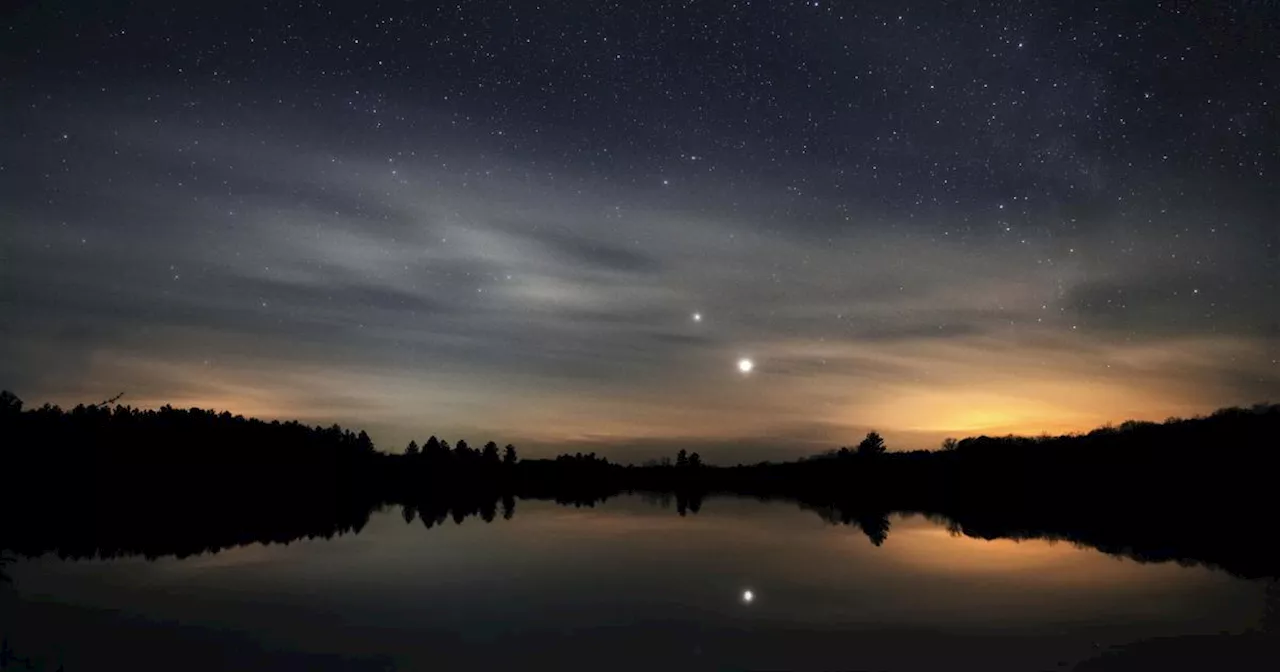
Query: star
[
  {"x": 861, "y": 187},
  {"x": 748, "y": 596}
]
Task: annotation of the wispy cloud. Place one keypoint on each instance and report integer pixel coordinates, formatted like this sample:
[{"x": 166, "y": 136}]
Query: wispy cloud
[{"x": 416, "y": 296}]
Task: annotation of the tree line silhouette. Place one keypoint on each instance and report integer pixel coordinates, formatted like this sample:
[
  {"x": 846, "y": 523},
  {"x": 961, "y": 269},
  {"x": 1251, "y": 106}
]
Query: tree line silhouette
[{"x": 108, "y": 479}]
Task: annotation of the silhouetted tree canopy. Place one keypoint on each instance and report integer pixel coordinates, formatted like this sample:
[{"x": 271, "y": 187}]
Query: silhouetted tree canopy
[
  {"x": 10, "y": 403},
  {"x": 105, "y": 480},
  {"x": 873, "y": 444}
]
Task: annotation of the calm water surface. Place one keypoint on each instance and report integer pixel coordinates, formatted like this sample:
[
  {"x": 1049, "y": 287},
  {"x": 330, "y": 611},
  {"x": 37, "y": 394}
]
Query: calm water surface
[{"x": 624, "y": 585}]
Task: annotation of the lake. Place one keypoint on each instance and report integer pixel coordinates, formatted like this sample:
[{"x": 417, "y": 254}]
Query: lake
[{"x": 628, "y": 584}]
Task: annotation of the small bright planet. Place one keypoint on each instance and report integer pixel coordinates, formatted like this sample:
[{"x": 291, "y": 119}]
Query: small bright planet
[
  {"x": 748, "y": 597},
  {"x": 746, "y": 365},
  {"x": 697, "y": 317}
]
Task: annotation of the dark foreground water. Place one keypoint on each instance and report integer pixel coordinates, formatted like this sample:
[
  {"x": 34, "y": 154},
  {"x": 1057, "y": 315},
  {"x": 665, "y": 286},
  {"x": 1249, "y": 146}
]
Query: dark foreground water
[{"x": 630, "y": 584}]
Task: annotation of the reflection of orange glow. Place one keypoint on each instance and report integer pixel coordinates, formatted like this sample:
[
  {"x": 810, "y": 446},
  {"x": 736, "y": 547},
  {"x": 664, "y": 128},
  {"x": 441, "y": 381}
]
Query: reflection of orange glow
[
  {"x": 236, "y": 556},
  {"x": 932, "y": 549},
  {"x": 935, "y": 549}
]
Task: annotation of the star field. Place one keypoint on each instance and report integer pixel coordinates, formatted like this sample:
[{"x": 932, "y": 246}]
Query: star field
[{"x": 565, "y": 222}]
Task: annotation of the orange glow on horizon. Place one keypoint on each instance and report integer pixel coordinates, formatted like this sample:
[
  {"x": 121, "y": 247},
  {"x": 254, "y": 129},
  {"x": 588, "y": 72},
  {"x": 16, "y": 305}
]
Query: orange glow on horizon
[{"x": 914, "y": 393}]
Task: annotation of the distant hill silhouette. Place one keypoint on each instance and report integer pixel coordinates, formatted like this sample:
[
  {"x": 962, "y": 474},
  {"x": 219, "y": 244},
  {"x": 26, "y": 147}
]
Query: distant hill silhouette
[{"x": 107, "y": 479}]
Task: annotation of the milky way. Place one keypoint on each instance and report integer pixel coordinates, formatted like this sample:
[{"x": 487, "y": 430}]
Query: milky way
[{"x": 563, "y": 224}]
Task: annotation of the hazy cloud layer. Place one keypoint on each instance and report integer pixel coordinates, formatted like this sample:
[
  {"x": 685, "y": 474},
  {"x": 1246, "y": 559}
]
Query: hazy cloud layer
[{"x": 494, "y": 251}]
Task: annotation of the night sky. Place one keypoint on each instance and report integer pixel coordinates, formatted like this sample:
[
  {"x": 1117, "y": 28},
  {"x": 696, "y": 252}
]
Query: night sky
[{"x": 563, "y": 224}]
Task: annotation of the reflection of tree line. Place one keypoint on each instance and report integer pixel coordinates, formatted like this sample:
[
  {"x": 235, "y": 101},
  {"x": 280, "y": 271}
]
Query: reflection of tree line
[
  {"x": 103, "y": 481},
  {"x": 9, "y": 660},
  {"x": 1271, "y": 608}
]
